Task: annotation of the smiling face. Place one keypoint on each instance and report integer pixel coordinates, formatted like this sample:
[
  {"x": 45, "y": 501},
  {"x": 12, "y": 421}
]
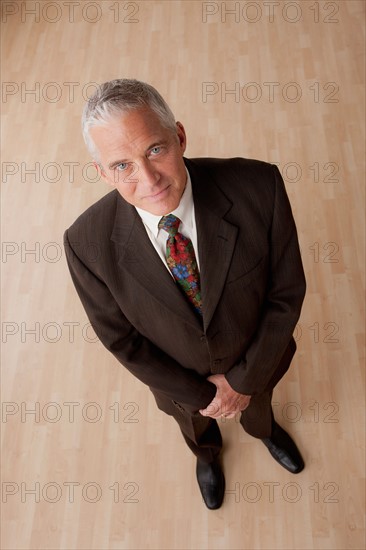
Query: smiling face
[{"x": 142, "y": 159}]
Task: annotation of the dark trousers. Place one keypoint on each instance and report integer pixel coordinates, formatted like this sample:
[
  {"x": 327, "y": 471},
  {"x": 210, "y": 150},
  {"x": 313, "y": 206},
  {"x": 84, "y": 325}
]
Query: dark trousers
[{"x": 202, "y": 434}]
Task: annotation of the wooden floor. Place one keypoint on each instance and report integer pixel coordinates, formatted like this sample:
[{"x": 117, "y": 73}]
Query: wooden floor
[{"x": 83, "y": 463}]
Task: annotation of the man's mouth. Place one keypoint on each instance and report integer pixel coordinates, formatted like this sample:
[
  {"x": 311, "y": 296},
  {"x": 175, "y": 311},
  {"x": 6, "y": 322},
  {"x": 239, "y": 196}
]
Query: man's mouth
[{"x": 158, "y": 195}]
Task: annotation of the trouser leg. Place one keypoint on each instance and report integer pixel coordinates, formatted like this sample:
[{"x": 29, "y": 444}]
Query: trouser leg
[
  {"x": 201, "y": 433},
  {"x": 258, "y": 417},
  {"x": 204, "y": 439}
]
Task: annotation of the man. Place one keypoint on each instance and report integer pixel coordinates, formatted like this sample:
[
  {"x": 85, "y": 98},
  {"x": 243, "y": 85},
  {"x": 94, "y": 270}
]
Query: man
[{"x": 197, "y": 282}]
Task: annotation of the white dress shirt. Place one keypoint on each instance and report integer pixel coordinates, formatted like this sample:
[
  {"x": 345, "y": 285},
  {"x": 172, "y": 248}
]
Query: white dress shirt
[{"x": 185, "y": 212}]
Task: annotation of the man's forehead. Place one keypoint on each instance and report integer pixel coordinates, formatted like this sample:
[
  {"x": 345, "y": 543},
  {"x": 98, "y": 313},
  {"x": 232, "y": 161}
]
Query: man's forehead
[{"x": 130, "y": 129}]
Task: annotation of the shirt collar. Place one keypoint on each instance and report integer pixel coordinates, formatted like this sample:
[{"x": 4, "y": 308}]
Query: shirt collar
[{"x": 184, "y": 211}]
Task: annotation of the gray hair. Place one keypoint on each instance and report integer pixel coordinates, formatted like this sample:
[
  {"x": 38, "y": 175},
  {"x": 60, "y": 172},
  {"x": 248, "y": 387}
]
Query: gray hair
[{"x": 122, "y": 95}]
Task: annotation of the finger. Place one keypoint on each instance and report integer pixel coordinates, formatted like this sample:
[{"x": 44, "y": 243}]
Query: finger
[
  {"x": 213, "y": 378},
  {"x": 209, "y": 413},
  {"x": 213, "y": 409}
]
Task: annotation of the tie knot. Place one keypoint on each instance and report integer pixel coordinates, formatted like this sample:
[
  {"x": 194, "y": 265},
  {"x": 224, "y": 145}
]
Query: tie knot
[{"x": 170, "y": 224}]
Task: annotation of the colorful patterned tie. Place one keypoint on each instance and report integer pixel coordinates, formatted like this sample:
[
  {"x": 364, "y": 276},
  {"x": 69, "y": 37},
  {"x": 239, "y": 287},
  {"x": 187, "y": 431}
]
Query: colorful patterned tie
[{"x": 181, "y": 261}]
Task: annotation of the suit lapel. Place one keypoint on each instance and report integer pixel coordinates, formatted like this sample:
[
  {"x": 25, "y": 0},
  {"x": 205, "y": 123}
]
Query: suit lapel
[
  {"x": 138, "y": 256},
  {"x": 216, "y": 238}
]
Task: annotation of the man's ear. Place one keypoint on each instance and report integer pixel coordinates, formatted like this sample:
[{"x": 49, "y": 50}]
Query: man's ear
[{"x": 181, "y": 133}]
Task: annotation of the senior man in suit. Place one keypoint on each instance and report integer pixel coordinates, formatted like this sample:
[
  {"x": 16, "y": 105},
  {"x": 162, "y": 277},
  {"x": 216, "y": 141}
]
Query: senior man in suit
[{"x": 190, "y": 273}]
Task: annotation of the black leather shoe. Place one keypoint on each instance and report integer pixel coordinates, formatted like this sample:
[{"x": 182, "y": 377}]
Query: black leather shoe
[
  {"x": 284, "y": 450},
  {"x": 211, "y": 482}
]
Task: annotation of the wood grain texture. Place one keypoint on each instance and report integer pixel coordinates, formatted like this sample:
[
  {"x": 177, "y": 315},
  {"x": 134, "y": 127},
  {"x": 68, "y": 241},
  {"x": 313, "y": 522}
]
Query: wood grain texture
[{"x": 282, "y": 83}]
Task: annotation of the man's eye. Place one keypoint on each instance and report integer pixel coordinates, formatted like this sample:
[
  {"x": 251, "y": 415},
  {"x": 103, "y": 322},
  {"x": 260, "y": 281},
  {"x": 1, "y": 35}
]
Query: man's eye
[
  {"x": 122, "y": 166},
  {"x": 155, "y": 150}
]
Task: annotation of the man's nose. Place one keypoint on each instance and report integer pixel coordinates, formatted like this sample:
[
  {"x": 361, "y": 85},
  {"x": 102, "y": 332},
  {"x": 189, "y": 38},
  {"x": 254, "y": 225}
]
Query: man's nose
[{"x": 148, "y": 175}]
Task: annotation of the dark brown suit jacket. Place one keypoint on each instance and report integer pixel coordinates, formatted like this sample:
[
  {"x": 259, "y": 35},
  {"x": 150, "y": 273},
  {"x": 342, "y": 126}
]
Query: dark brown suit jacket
[{"x": 252, "y": 284}]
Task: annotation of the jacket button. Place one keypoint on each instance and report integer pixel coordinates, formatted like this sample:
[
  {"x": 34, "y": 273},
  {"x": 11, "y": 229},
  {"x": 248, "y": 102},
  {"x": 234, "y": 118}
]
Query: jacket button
[
  {"x": 203, "y": 339},
  {"x": 217, "y": 362}
]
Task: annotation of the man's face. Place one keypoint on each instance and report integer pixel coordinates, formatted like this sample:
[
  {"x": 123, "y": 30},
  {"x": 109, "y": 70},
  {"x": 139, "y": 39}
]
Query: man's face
[{"x": 143, "y": 160}]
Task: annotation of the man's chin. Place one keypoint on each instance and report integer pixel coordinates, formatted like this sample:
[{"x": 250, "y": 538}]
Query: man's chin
[{"x": 161, "y": 208}]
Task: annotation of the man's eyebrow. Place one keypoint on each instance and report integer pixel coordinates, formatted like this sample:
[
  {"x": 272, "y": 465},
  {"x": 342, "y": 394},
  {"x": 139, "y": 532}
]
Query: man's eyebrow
[
  {"x": 155, "y": 144},
  {"x": 116, "y": 163}
]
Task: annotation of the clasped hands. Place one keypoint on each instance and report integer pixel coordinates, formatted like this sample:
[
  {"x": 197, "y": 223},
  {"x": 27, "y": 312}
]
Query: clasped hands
[{"x": 227, "y": 402}]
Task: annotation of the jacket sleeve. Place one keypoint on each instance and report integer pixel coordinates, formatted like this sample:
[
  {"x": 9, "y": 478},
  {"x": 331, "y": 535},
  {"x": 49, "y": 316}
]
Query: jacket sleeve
[
  {"x": 282, "y": 307},
  {"x": 140, "y": 356}
]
